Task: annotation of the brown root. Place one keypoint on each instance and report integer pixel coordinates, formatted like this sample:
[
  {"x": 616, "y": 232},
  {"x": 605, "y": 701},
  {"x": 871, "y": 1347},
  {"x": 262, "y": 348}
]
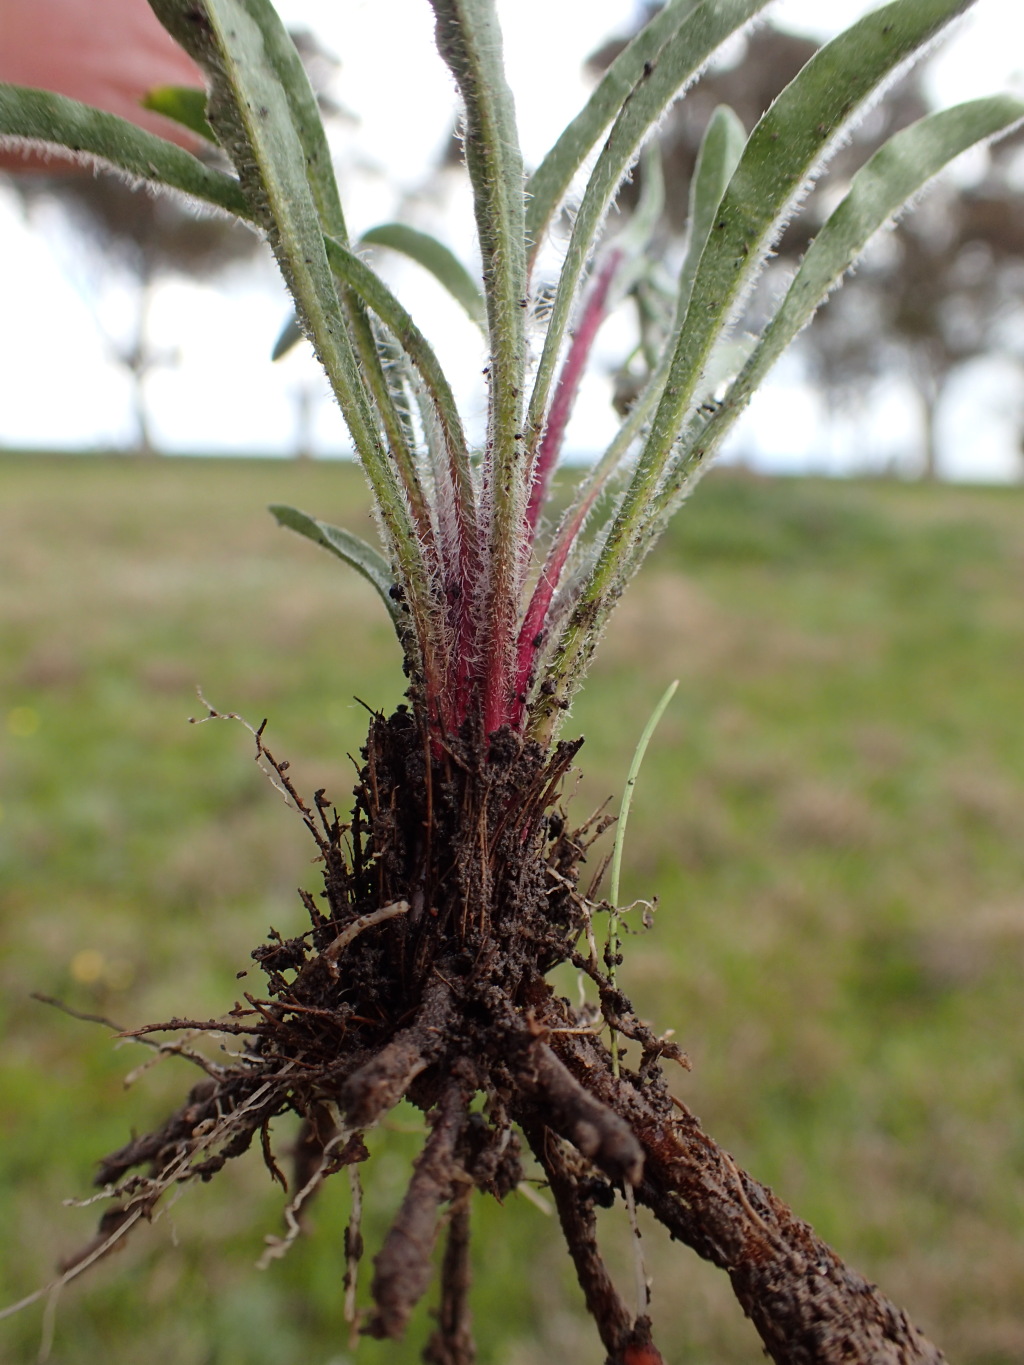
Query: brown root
[
  {"x": 571, "y": 1182},
  {"x": 593, "y": 1128},
  {"x": 403, "y": 1264},
  {"x": 381, "y": 1082},
  {"x": 452, "y": 1342},
  {"x": 809, "y": 1308}
]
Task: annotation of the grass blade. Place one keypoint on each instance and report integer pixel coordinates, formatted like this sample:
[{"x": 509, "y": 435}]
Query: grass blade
[
  {"x": 612, "y": 950},
  {"x": 627, "y": 793}
]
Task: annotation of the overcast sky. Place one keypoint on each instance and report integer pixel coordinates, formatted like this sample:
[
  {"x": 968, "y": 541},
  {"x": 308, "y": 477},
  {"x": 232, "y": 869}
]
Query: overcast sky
[{"x": 59, "y": 388}]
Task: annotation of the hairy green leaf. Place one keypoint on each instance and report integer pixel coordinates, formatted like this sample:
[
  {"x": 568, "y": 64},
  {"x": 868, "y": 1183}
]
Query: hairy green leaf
[
  {"x": 40, "y": 117},
  {"x": 695, "y": 38},
  {"x": 893, "y": 176},
  {"x": 375, "y": 294},
  {"x": 304, "y": 110},
  {"x": 469, "y": 41},
  {"x": 283, "y": 59},
  {"x": 720, "y": 152},
  {"x": 257, "y": 107},
  {"x": 434, "y": 256},
  {"x": 289, "y": 337},
  {"x": 787, "y": 148},
  {"x": 634, "y": 241},
  {"x": 550, "y": 181}
]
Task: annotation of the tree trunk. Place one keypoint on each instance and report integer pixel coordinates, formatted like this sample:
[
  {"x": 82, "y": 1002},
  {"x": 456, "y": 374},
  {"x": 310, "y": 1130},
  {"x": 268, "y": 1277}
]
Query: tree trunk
[
  {"x": 139, "y": 360},
  {"x": 928, "y": 392}
]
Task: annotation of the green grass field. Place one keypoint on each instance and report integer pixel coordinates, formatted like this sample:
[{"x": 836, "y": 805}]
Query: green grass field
[{"x": 832, "y": 819}]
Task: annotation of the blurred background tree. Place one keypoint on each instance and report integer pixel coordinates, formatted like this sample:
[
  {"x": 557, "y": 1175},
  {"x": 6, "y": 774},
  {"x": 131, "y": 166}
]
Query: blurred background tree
[
  {"x": 117, "y": 245},
  {"x": 944, "y": 290},
  {"x": 123, "y": 245}
]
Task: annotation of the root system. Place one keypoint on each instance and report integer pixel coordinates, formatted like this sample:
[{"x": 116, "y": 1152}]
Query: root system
[{"x": 449, "y": 896}]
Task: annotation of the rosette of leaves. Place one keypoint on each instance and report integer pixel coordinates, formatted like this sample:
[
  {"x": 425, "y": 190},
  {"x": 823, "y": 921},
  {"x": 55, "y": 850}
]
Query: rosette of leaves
[{"x": 453, "y": 889}]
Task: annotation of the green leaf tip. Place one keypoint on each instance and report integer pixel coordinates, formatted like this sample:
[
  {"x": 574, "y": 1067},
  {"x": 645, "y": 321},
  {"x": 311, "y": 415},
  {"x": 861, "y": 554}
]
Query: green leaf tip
[
  {"x": 184, "y": 104},
  {"x": 366, "y": 561},
  {"x": 434, "y": 256},
  {"x": 44, "y": 118},
  {"x": 290, "y": 336}
]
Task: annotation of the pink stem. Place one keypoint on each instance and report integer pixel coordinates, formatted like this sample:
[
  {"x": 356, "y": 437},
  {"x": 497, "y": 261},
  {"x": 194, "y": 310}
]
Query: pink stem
[
  {"x": 531, "y": 636},
  {"x": 464, "y": 576},
  {"x": 567, "y": 389},
  {"x": 503, "y": 703},
  {"x": 531, "y": 633}
]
